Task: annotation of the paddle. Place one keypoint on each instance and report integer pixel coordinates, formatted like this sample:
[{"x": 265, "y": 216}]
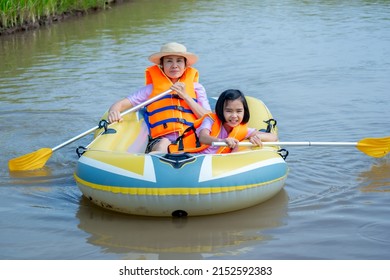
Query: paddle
[
  {"x": 38, "y": 158},
  {"x": 374, "y": 147}
]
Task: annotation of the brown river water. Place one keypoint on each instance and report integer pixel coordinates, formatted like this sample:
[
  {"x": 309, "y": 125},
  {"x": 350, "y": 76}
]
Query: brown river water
[{"x": 322, "y": 68}]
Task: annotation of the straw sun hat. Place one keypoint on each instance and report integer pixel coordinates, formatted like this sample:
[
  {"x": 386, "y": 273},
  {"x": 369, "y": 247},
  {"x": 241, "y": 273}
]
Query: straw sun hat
[{"x": 173, "y": 49}]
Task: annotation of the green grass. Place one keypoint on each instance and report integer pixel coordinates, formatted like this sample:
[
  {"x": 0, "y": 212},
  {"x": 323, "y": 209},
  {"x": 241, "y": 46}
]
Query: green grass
[{"x": 15, "y": 13}]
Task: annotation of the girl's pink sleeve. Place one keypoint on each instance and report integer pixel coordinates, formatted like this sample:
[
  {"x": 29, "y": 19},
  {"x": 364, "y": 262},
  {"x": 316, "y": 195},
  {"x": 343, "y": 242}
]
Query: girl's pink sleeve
[
  {"x": 250, "y": 131},
  {"x": 206, "y": 124}
]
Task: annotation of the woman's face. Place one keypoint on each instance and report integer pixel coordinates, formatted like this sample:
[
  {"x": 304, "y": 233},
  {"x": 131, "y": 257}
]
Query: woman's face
[
  {"x": 233, "y": 111},
  {"x": 174, "y": 67}
]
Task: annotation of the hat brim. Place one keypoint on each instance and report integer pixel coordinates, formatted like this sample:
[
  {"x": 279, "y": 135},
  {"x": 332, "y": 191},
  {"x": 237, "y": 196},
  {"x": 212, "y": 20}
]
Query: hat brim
[{"x": 191, "y": 58}]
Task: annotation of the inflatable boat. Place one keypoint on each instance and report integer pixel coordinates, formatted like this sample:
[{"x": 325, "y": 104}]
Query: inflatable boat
[{"x": 114, "y": 172}]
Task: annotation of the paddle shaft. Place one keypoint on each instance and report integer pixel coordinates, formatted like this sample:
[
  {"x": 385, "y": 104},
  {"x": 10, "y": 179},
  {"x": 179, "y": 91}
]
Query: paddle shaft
[
  {"x": 132, "y": 109},
  {"x": 374, "y": 147},
  {"x": 306, "y": 143}
]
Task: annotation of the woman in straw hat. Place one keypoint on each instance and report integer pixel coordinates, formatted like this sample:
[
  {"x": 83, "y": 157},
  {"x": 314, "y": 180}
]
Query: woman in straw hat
[{"x": 170, "y": 115}]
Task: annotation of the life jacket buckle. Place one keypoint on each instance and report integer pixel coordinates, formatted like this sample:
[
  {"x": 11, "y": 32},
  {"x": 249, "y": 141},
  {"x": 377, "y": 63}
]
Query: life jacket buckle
[{"x": 179, "y": 108}]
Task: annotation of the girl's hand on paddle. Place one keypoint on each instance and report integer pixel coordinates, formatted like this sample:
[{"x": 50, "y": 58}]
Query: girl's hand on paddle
[
  {"x": 256, "y": 140},
  {"x": 231, "y": 142}
]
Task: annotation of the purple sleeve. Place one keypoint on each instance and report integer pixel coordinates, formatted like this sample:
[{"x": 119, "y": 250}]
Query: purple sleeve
[
  {"x": 206, "y": 124},
  {"x": 202, "y": 96},
  {"x": 141, "y": 95},
  {"x": 250, "y": 131}
]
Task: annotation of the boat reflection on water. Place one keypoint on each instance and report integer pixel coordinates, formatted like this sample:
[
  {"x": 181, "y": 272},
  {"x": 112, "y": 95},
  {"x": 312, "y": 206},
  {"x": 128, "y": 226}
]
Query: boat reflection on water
[{"x": 181, "y": 238}]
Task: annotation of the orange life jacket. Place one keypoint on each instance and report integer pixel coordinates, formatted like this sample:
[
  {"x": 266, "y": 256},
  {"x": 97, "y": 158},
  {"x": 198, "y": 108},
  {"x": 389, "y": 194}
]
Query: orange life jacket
[
  {"x": 189, "y": 141},
  {"x": 169, "y": 113}
]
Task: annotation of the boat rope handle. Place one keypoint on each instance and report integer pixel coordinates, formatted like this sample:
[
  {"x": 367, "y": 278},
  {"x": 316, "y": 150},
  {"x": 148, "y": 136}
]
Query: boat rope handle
[
  {"x": 271, "y": 124},
  {"x": 80, "y": 150},
  {"x": 104, "y": 124},
  {"x": 283, "y": 153}
]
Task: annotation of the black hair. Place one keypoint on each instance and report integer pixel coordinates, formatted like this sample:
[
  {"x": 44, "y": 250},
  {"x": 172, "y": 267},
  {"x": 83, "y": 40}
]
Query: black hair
[{"x": 229, "y": 95}]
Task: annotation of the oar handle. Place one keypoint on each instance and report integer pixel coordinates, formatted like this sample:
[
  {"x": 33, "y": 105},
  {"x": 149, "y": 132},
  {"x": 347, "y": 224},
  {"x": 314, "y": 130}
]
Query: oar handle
[
  {"x": 306, "y": 143},
  {"x": 132, "y": 109}
]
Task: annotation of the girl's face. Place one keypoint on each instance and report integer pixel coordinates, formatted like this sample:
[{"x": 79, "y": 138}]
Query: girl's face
[
  {"x": 233, "y": 111},
  {"x": 174, "y": 67}
]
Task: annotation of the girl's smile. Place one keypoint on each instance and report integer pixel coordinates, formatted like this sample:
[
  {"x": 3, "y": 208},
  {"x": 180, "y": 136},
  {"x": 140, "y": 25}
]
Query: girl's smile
[{"x": 233, "y": 112}]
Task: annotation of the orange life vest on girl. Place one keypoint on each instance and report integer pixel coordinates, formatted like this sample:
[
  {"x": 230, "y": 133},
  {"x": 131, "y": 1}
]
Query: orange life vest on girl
[
  {"x": 169, "y": 113},
  {"x": 189, "y": 141}
]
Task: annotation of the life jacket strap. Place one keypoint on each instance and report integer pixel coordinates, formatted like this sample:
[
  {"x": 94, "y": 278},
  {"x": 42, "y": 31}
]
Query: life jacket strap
[
  {"x": 180, "y": 142},
  {"x": 173, "y": 107},
  {"x": 176, "y": 120}
]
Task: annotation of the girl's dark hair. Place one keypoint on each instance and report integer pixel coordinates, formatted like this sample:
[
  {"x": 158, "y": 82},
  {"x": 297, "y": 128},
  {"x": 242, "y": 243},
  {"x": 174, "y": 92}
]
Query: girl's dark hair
[{"x": 229, "y": 95}]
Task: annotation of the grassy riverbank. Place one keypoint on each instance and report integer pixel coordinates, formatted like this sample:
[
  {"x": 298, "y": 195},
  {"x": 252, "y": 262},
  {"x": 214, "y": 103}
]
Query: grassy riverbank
[{"x": 18, "y": 15}]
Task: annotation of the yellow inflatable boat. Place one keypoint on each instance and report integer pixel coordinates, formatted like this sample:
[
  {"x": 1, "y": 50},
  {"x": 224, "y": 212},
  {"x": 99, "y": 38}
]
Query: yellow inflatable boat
[{"x": 115, "y": 173}]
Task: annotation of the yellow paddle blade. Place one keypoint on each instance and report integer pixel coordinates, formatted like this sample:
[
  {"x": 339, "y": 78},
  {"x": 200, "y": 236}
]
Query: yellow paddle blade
[
  {"x": 30, "y": 161},
  {"x": 375, "y": 147}
]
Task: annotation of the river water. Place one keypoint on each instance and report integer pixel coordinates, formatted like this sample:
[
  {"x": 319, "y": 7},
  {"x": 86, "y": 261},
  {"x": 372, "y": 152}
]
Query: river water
[{"x": 322, "y": 68}]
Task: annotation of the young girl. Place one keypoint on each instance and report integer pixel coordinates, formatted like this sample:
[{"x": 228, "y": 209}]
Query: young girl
[{"x": 229, "y": 125}]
